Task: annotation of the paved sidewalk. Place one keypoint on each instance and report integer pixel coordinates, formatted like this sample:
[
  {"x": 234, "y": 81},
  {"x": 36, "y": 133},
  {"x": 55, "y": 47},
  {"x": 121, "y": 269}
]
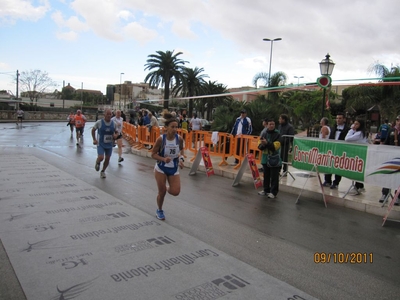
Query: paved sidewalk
[{"x": 305, "y": 184}]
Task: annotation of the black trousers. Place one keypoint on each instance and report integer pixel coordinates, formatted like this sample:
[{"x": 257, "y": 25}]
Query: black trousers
[
  {"x": 328, "y": 178},
  {"x": 271, "y": 180}
]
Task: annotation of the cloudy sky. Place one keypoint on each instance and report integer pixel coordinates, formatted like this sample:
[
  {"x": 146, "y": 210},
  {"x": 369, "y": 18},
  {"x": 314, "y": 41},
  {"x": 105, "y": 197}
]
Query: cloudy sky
[{"x": 94, "y": 41}]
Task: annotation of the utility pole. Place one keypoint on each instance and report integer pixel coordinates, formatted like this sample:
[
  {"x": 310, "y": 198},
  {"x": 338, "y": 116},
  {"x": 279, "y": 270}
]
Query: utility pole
[
  {"x": 16, "y": 92},
  {"x": 62, "y": 94}
]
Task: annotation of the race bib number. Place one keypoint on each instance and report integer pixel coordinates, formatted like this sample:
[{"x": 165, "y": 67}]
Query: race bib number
[{"x": 108, "y": 138}]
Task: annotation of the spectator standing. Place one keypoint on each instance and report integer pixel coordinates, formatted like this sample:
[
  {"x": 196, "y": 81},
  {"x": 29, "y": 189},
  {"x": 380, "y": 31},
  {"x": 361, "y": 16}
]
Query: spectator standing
[
  {"x": 392, "y": 139},
  {"x": 71, "y": 122},
  {"x": 175, "y": 115},
  {"x": 132, "y": 117},
  {"x": 20, "y": 116},
  {"x": 270, "y": 139},
  {"x": 123, "y": 116},
  {"x": 241, "y": 126},
  {"x": 357, "y": 134},
  {"x": 169, "y": 154},
  {"x": 146, "y": 119},
  {"x": 119, "y": 123},
  {"x": 325, "y": 131},
  {"x": 195, "y": 122},
  {"x": 80, "y": 121},
  {"x": 195, "y": 125},
  {"x": 383, "y": 131},
  {"x": 286, "y": 131},
  {"x": 153, "y": 121},
  {"x": 184, "y": 124},
  {"x": 140, "y": 118},
  {"x": 106, "y": 134},
  {"x": 338, "y": 132}
]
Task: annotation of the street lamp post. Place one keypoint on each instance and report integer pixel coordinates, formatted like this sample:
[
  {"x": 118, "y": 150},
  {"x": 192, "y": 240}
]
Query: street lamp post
[
  {"x": 326, "y": 68},
  {"x": 120, "y": 89},
  {"x": 270, "y": 57},
  {"x": 16, "y": 90},
  {"x": 298, "y": 79}
]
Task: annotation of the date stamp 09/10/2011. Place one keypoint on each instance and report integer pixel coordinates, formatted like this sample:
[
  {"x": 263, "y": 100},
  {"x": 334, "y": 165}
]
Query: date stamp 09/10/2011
[{"x": 343, "y": 258}]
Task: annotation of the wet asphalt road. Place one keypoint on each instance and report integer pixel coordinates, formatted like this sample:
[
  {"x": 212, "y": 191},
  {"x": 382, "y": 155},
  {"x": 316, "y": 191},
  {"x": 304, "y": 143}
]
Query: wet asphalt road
[{"x": 273, "y": 235}]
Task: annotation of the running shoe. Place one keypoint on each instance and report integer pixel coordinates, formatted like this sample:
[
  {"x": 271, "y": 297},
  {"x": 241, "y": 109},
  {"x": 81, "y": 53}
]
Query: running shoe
[
  {"x": 160, "y": 214},
  {"x": 270, "y": 195},
  {"x": 97, "y": 166},
  {"x": 120, "y": 159},
  {"x": 262, "y": 193},
  {"x": 102, "y": 174}
]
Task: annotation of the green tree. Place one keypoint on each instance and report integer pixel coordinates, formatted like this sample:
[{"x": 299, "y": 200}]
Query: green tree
[
  {"x": 276, "y": 80},
  {"x": 361, "y": 98},
  {"x": 164, "y": 67},
  {"x": 389, "y": 103},
  {"x": 191, "y": 84},
  {"x": 225, "y": 116},
  {"x": 213, "y": 88},
  {"x": 67, "y": 93}
]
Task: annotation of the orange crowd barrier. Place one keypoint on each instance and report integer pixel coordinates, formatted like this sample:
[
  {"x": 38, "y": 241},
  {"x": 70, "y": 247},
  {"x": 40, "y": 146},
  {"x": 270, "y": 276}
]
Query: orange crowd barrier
[
  {"x": 219, "y": 144},
  {"x": 129, "y": 133}
]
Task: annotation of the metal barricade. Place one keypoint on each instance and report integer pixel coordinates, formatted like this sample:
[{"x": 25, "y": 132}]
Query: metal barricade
[{"x": 286, "y": 146}]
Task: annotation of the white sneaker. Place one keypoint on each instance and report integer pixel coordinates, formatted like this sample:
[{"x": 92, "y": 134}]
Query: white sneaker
[
  {"x": 262, "y": 193},
  {"x": 270, "y": 195},
  {"x": 102, "y": 174}
]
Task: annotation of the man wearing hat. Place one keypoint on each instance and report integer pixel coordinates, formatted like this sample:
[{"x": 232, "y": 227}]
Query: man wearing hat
[{"x": 242, "y": 126}]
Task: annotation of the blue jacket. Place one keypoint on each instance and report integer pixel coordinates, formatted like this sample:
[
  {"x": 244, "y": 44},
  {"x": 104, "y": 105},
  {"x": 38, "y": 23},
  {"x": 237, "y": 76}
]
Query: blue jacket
[
  {"x": 246, "y": 126},
  {"x": 146, "y": 120}
]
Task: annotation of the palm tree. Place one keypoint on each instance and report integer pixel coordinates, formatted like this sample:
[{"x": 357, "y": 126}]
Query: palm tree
[
  {"x": 260, "y": 76},
  {"x": 389, "y": 104},
  {"x": 190, "y": 84},
  {"x": 276, "y": 80},
  {"x": 214, "y": 88},
  {"x": 166, "y": 67}
]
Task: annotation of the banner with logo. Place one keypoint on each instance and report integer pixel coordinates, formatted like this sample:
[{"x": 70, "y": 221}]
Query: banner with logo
[
  {"x": 378, "y": 165},
  {"x": 207, "y": 161},
  {"x": 254, "y": 171}
]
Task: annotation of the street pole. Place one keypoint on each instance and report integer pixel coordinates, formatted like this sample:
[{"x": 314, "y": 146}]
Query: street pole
[
  {"x": 62, "y": 93},
  {"x": 326, "y": 68},
  {"x": 270, "y": 57},
  {"x": 323, "y": 104},
  {"x": 16, "y": 92},
  {"x": 298, "y": 79}
]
